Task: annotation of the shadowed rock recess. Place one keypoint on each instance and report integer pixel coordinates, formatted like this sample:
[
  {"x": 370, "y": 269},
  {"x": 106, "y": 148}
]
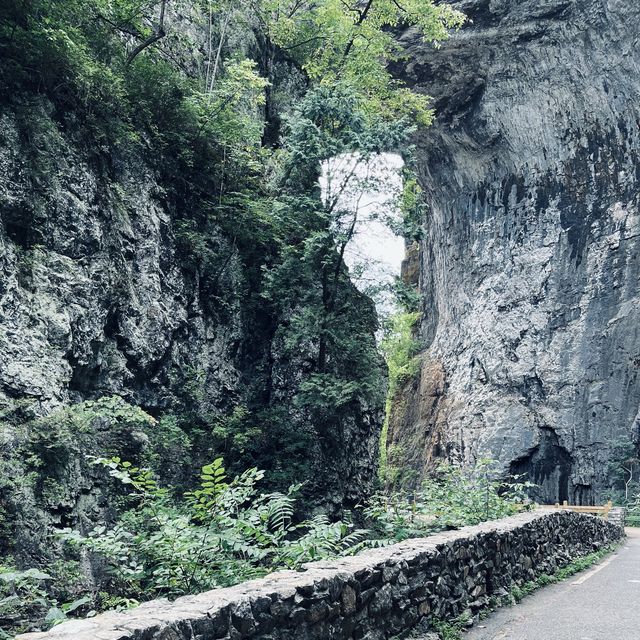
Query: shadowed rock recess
[
  {"x": 374, "y": 595},
  {"x": 530, "y": 261}
]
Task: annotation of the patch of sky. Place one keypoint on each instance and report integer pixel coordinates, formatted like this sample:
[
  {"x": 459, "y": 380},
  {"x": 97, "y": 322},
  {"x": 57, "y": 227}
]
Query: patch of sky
[{"x": 364, "y": 194}]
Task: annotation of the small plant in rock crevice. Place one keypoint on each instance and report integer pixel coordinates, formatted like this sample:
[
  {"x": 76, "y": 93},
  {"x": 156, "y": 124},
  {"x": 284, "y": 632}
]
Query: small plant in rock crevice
[{"x": 452, "y": 629}]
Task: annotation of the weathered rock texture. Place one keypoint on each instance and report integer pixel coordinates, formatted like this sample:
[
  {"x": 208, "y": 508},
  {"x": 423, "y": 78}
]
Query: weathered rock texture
[
  {"x": 529, "y": 267},
  {"x": 118, "y": 277},
  {"x": 372, "y": 596}
]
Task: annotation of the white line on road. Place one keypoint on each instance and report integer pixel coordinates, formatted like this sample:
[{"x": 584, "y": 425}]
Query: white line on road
[{"x": 599, "y": 567}]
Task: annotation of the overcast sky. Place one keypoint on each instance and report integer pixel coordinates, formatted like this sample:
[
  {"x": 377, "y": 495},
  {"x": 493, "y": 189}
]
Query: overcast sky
[{"x": 375, "y": 254}]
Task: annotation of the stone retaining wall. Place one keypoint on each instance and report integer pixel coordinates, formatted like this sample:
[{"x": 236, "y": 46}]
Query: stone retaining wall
[
  {"x": 618, "y": 516},
  {"x": 372, "y": 596}
]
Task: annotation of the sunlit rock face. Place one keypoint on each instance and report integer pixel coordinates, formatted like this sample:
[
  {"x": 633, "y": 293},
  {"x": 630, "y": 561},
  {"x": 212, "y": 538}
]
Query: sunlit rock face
[{"x": 530, "y": 262}]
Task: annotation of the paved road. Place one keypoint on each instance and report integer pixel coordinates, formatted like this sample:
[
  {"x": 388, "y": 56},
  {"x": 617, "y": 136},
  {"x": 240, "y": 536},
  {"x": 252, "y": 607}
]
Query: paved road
[{"x": 601, "y": 603}]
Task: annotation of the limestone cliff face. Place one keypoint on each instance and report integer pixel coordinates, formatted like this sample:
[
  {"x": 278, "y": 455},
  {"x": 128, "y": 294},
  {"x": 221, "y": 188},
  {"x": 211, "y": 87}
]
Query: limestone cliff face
[
  {"x": 100, "y": 296},
  {"x": 93, "y": 299},
  {"x": 530, "y": 263}
]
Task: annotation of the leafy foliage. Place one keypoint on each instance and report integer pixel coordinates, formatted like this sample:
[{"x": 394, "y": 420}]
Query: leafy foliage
[
  {"x": 25, "y": 597},
  {"x": 452, "y": 629},
  {"x": 196, "y": 112},
  {"x": 457, "y": 497},
  {"x": 353, "y": 42},
  {"x": 328, "y": 326},
  {"x": 396, "y": 517},
  {"x": 43, "y": 471},
  {"x": 199, "y": 125},
  {"x": 61, "y": 429},
  {"x": 221, "y": 533},
  {"x": 453, "y": 497},
  {"x": 400, "y": 348},
  {"x": 22, "y": 595},
  {"x": 624, "y": 471},
  {"x": 412, "y": 206},
  {"x": 225, "y": 531}
]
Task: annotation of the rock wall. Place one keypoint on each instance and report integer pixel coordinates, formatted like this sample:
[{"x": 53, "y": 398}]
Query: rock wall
[
  {"x": 93, "y": 300},
  {"x": 118, "y": 277},
  {"x": 530, "y": 262},
  {"x": 372, "y": 596}
]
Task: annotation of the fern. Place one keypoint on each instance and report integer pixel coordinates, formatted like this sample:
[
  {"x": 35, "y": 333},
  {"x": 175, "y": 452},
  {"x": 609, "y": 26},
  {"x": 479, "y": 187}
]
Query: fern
[{"x": 221, "y": 533}]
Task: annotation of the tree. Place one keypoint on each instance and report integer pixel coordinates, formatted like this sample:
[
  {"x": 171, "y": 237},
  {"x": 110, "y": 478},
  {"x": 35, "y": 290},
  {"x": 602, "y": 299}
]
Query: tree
[
  {"x": 352, "y": 43},
  {"x": 324, "y": 326},
  {"x": 334, "y": 42},
  {"x": 624, "y": 467}
]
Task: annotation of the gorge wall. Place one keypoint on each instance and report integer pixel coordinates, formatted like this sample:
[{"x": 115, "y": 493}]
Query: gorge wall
[
  {"x": 530, "y": 262},
  {"x": 131, "y": 269}
]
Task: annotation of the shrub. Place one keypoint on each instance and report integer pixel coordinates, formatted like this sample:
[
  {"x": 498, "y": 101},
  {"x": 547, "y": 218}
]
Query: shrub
[
  {"x": 221, "y": 533},
  {"x": 453, "y": 497},
  {"x": 24, "y": 597}
]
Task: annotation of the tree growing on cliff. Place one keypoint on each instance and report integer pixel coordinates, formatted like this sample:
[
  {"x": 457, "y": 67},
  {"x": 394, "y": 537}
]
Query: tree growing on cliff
[
  {"x": 309, "y": 284},
  {"x": 351, "y": 42}
]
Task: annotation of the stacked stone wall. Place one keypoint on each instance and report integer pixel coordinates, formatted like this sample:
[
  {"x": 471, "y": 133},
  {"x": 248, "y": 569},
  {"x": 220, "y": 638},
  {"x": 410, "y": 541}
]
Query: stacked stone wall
[
  {"x": 618, "y": 516},
  {"x": 375, "y": 595}
]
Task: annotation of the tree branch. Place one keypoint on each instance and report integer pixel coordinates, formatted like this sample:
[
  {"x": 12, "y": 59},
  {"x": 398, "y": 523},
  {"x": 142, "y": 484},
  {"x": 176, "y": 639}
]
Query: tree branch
[
  {"x": 223, "y": 35},
  {"x": 296, "y": 6},
  {"x": 157, "y": 35},
  {"x": 119, "y": 27},
  {"x": 363, "y": 16},
  {"x": 400, "y": 6},
  {"x": 300, "y": 44}
]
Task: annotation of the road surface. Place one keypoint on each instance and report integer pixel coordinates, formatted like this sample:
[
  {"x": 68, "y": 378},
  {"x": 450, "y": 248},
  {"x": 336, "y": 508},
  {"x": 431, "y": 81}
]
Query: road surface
[{"x": 601, "y": 603}]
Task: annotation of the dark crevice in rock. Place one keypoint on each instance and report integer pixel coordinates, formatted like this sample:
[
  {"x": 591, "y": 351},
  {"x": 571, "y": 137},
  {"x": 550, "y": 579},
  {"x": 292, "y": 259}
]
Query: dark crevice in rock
[{"x": 548, "y": 465}]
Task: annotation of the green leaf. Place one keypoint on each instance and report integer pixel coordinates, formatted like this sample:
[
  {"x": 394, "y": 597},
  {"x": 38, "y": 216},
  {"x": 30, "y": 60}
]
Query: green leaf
[{"x": 54, "y": 616}]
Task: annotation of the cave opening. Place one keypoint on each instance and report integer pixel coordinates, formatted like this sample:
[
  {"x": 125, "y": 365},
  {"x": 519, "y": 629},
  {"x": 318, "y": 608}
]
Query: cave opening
[{"x": 548, "y": 465}]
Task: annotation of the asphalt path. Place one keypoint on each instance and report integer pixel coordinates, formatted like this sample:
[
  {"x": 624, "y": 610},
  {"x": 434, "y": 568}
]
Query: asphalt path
[{"x": 600, "y": 603}]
